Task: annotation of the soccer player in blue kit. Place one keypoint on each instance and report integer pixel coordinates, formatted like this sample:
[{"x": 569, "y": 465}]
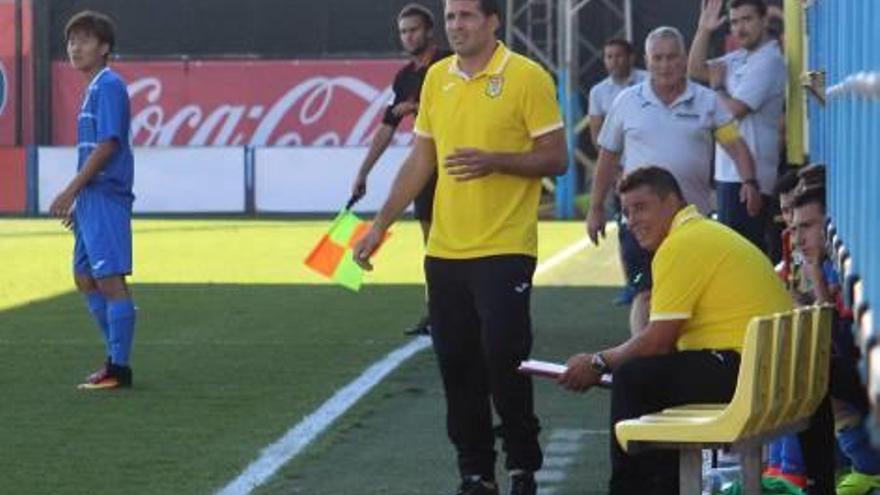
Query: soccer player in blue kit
[{"x": 97, "y": 202}]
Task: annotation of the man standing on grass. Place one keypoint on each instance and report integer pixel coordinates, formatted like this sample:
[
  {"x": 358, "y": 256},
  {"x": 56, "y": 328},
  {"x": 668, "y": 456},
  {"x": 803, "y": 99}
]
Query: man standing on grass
[
  {"x": 97, "y": 202},
  {"x": 490, "y": 126},
  {"x": 619, "y": 58},
  {"x": 415, "y": 24}
]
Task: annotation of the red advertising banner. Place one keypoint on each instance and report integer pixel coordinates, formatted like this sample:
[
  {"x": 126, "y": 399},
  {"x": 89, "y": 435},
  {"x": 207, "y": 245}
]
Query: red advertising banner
[
  {"x": 7, "y": 75},
  {"x": 13, "y": 180},
  {"x": 236, "y": 103},
  {"x": 10, "y": 100}
]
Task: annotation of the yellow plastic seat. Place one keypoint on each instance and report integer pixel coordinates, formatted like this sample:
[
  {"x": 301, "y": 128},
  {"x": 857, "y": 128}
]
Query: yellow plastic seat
[{"x": 783, "y": 377}]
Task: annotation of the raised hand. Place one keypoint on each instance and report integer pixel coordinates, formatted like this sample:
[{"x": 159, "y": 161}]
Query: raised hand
[{"x": 710, "y": 17}]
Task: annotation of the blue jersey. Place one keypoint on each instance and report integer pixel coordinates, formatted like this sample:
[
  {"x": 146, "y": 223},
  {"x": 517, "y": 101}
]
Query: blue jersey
[{"x": 106, "y": 115}]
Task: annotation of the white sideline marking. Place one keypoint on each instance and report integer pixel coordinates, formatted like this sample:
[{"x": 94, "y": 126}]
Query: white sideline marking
[
  {"x": 557, "y": 462},
  {"x": 558, "y": 448},
  {"x": 296, "y": 439},
  {"x": 567, "y": 434},
  {"x": 559, "y": 455},
  {"x": 276, "y": 455},
  {"x": 561, "y": 256}
]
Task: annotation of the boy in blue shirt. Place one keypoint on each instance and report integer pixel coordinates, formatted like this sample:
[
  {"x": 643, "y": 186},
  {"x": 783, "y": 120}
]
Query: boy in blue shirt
[{"x": 97, "y": 202}]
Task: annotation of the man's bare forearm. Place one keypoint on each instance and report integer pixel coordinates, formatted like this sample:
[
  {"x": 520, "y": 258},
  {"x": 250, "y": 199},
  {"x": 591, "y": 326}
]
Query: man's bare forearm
[
  {"x": 380, "y": 143},
  {"x": 742, "y": 157},
  {"x": 595, "y": 127},
  {"x": 698, "y": 68},
  {"x": 548, "y": 157},
  {"x": 603, "y": 178},
  {"x": 736, "y": 107},
  {"x": 412, "y": 177},
  {"x": 648, "y": 343}
]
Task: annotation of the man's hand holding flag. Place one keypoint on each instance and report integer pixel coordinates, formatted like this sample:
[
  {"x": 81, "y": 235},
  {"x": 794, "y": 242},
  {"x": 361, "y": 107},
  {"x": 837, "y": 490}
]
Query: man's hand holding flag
[{"x": 343, "y": 252}]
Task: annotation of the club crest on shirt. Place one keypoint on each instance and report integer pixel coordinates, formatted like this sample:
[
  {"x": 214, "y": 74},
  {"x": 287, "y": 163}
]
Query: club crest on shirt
[{"x": 495, "y": 86}]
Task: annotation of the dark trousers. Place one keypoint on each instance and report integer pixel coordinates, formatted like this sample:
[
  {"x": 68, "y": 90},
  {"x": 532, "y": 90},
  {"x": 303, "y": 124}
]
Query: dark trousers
[
  {"x": 481, "y": 330},
  {"x": 733, "y": 213},
  {"x": 818, "y": 446},
  {"x": 650, "y": 384},
  {"x": 845, "y": 384},
  {"x": 818, "y": 440}
]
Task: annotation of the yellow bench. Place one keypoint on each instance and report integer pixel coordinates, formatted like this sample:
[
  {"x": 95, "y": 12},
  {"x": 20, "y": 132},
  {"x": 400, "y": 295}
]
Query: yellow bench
[{"x": 783, "y": 377}]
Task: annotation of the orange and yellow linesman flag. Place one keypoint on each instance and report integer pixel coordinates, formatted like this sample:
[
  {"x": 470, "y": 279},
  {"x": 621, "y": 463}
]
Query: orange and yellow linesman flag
[{"x": 332, "y": 257}]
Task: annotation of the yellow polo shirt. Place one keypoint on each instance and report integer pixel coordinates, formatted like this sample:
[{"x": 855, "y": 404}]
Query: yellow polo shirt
[
  {"x": 709, "y": 275},
  {"x": 501, "y": 109}
]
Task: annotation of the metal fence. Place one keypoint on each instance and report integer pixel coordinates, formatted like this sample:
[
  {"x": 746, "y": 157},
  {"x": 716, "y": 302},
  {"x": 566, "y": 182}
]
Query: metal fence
[{"x": 844, "y": 133}]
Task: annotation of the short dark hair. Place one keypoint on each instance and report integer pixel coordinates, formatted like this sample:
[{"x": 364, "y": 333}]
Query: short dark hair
[
  {"x": 759, "y": 5},
  {"x": 95, "y": 23},
  {"x": 626, "y": 45},
  {"x": 812, "y": 176},
  {"x": 809, "y": 196},
  {"x": 787, "y": 183},
  {"x": 660, "y": 180},
  {"x": 489, "y": 7},
  {"x": 416, "y": 10}
]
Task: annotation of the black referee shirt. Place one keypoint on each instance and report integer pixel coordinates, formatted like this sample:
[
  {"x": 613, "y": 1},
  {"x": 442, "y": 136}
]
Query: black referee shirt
[{"x": 408, "y": 85}]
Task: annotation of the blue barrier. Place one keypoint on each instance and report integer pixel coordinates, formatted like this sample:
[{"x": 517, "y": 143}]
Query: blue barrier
[{"x": 844, "y": 134}]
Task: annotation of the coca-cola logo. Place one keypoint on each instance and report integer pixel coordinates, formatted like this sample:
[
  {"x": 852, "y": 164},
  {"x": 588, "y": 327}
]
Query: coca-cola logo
[
  {"x": 283, "y": 122},
  {"x": 239, "y": 103}
]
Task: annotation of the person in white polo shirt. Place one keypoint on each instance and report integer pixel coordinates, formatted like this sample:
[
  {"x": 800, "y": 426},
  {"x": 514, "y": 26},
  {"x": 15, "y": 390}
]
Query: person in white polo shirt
[
  {"x": 751, "y": 83},
  {"x": 619, "y": 57},
  {"x": 672, "y": 123}
]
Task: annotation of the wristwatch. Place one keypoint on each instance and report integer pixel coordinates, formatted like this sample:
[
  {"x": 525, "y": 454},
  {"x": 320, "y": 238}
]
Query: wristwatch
[
  {"x": 599, "y": 365},
  {"x": 752, "y": 182}
]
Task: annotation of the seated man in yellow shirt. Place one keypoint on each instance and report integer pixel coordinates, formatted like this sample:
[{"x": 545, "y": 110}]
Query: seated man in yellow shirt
[{"x": 708, "y": 283}]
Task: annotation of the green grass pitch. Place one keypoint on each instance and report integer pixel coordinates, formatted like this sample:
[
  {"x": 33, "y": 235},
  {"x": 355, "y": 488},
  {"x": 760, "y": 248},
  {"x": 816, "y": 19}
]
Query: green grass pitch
[{"x": 237, "y": 341}]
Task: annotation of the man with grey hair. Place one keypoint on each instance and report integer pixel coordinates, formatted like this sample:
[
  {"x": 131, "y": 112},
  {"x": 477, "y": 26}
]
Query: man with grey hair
[{"x": 672, "y": 123}]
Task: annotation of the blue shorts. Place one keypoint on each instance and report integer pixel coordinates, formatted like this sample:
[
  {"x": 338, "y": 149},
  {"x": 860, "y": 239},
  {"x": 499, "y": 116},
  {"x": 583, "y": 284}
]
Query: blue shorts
[{"x": 102, "y": 233}]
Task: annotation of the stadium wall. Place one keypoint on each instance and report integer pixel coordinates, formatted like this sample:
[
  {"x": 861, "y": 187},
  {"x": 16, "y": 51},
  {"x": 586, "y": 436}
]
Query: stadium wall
[
  {"x": 13, "y": 180},
  {"x": 230, "y": 180}
]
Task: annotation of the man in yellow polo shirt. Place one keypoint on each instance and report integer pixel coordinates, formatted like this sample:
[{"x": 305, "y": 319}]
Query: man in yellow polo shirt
[
  {"x": 708, "y": 283},
  {"x": 490, "y": 125}
]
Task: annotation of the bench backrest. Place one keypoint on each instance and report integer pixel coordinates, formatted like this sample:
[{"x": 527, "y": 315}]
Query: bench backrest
[
  {"x": 783, "y": 372},
  {"x": 820, "y": 358},
  {"x": 746, "y": 408}
]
